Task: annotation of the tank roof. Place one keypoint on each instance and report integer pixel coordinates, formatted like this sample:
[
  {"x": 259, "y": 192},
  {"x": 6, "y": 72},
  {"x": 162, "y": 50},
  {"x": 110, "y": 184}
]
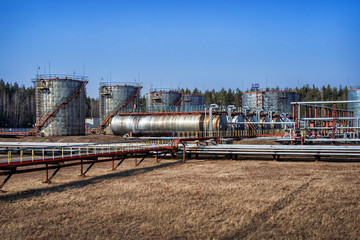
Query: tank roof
[
  {"x": 264, "y": 90},
  {"x": 60, "y": 77},
  {"x": 163, "y": 90},
  {"x": 120, "y": 84}
]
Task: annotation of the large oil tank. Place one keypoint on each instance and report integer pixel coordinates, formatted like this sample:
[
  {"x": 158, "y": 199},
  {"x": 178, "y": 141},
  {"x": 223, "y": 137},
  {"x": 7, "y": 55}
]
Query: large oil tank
[
  {"x": 163, "y": 98},
  {"x": 164, "y": 125},
  {"x": 276, "y": 101},
  {"x": 113, "y": 97},
  {"x": 60, "y": 105},
  {"x": 354, "y": 94},
  {"x": 192, "y": 100}
]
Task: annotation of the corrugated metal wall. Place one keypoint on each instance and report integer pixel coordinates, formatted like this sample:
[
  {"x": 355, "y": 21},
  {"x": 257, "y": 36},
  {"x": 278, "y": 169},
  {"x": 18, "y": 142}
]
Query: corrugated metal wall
[
  {"x": 276, "y": 101},
  {"x": 70, "y": 119},
  {"x": 113, "y": 97},
  {"x": 355, "y": 107},
  {"x": 162, "y": 98},
  {"x": 192, "y": 100}
]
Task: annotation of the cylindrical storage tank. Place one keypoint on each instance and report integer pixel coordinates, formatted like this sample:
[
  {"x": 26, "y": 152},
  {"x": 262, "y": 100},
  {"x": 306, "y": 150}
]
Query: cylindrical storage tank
[
  {"x": 163, "y": 98},
  {"x": 164, "y": 125},
  {"x": 354, "y": 95},
  {"x": 113, "y": 97},
  {"x": 60, "y": 105},
  {"x": 276, "y": 101},
  {"x": 192, "y": 100}
]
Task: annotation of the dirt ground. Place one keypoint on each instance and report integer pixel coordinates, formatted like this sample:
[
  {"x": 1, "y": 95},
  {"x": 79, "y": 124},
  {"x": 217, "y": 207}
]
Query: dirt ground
[{"x": 199, "y": 199}]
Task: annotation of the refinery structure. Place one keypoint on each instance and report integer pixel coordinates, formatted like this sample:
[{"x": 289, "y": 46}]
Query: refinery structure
[
  {"x": 115, "y": 97},
  {"x": 60, "y": 104},
  {"x": 172, "y": 122}
]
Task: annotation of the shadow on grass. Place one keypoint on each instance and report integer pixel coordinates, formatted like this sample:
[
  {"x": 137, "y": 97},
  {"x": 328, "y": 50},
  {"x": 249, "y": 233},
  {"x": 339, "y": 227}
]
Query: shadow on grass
[
  {"x": 82, "y": 182},
  {"x": 344, "y": 159}
]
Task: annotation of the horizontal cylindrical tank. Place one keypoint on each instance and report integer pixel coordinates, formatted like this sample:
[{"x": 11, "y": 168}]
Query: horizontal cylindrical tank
[
  {"x": 163, "y": 98},
  {"x": 275, "y": 101},
  {"x": 354, "y": 94},
  {"x": 165, "y": 125},
  {"x": 192, "y": 100},
  {"x": 60, "y": 105}
]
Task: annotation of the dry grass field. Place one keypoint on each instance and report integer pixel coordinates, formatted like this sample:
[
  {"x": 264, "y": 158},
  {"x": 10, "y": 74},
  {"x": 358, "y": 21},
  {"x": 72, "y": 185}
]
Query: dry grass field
[{"x": 201, "y": 199}]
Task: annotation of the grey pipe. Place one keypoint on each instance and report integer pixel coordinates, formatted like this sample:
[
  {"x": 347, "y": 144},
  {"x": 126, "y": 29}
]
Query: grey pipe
[{"x": 165, "y": 125}]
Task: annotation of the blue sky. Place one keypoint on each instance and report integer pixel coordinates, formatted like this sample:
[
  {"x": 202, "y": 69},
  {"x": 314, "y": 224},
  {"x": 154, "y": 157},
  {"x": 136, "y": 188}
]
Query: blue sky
[{"x": 171, "y": 44}]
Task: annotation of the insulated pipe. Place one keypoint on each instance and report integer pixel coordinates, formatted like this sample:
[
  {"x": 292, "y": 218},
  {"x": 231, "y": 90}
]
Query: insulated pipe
[{"x": 165, "y": 125}]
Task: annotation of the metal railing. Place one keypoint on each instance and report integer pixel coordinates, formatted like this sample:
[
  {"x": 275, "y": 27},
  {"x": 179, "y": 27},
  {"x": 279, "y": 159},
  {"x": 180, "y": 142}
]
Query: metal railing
[
  {"x": 175, "y": 109},
  {"x": 61, "y": 76},
  {"x": 14, "y": 130},
  {"x": 228, "y": 133},
  {"x": 18, "y": 156}
]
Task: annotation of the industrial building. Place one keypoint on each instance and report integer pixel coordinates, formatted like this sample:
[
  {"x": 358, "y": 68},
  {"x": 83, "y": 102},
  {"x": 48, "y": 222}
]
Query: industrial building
[
  {"x": 60, "y": 101},
  {"x": 114, "y": 97}
]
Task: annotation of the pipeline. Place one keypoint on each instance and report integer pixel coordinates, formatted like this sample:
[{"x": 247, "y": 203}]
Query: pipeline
[{"x": 165, "y": 125}]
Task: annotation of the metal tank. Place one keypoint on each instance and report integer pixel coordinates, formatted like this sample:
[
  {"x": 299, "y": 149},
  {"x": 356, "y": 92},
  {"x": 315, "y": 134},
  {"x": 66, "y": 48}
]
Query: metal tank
[
  {"x": 113, "y": 97},
  {"x": 192, "y": 100},
  {"x": 163, "y": 98},
  {"x": 239, "y": 120},
  {"x": 277, "y": 123},
  {"x": 60, "y": 105},
  {"x": 164, "y": 125},
  {"x": 266, "y": 120},
  {"x": 276, "y": 101},
  {"x": 354, "y": 94},
  {"x": 254, "y": 119}
]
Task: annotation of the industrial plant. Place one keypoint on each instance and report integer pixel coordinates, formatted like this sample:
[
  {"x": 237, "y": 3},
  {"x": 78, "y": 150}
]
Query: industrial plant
[{"x": 171, "y": 122}]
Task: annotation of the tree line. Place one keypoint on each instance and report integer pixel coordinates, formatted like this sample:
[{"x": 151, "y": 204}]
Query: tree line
[{"x": 17, "y": 103}]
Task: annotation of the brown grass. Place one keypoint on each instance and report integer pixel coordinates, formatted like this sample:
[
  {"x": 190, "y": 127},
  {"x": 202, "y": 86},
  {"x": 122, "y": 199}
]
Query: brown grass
[{"x": 197, "y": 200}]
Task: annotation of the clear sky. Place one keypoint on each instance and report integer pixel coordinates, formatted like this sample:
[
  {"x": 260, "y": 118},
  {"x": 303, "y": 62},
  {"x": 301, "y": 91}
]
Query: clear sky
[{"x": 171, "y": 44}]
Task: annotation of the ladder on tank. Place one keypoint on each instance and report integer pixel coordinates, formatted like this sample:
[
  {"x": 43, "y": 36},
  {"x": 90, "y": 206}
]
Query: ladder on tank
[
  {"x": 56, "y": 108},
  {"x": 252, "y": 128}
]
